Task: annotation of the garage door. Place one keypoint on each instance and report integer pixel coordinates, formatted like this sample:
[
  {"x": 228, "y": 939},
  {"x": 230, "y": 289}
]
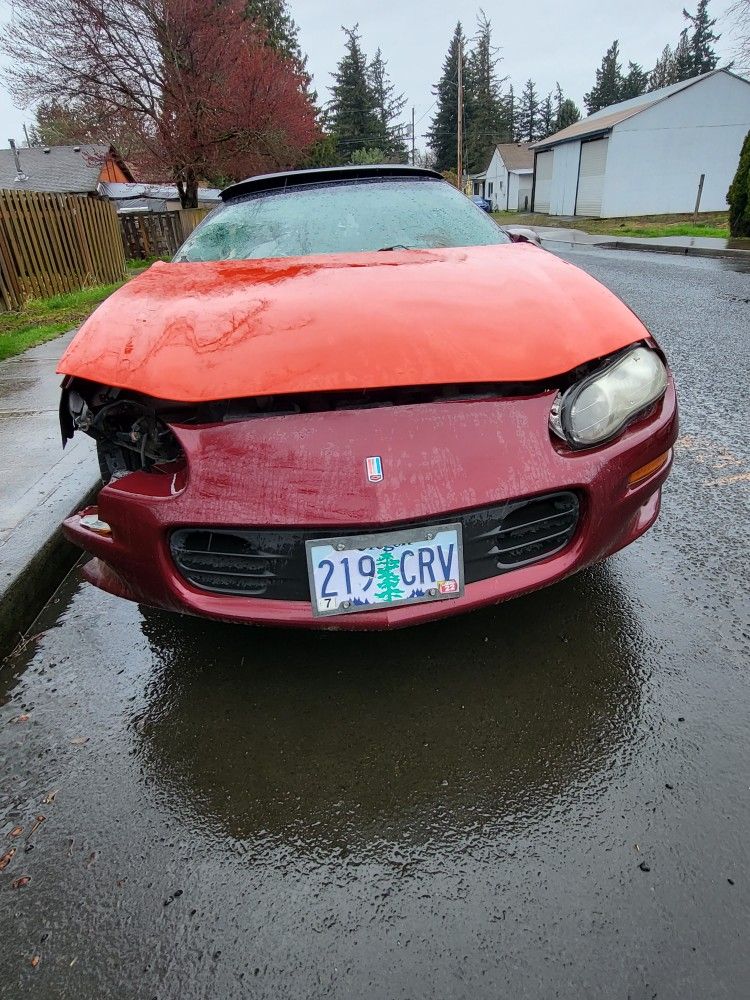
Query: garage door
[
  {"x": 543, "y": 183},
  {"x": 591, "y": 177}
]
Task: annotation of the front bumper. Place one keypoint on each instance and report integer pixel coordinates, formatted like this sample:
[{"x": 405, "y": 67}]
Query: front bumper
[{"x": 307, "y": 471}]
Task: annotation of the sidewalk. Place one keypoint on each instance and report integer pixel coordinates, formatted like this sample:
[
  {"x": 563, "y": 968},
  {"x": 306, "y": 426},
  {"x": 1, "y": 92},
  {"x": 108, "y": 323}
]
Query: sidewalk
[
  {"x": 40, "y": 484},
  {"x": 698, "y": 246}
]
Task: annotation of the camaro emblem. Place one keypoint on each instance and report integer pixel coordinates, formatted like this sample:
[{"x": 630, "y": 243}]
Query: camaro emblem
[{"x": 374, "y": 469}]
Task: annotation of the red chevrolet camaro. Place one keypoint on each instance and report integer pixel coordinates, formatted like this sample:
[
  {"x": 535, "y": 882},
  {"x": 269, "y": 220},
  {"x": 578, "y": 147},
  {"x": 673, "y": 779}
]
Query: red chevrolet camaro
[{"x": 354, "y": 401}]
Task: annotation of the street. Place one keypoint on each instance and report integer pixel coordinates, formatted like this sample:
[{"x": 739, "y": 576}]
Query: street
[{"x": 548, "y": 798}]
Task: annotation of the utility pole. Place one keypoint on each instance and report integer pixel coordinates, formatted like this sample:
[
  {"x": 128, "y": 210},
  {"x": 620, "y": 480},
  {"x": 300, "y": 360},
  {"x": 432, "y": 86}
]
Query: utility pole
[
  {"x": 460, "y": 115},
  {"x": 413, "y": 151}
]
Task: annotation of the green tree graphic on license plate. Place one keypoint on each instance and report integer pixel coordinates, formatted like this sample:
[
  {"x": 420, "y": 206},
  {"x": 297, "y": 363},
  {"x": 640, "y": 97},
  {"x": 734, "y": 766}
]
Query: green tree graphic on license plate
[{"x": 388, "y": 580}]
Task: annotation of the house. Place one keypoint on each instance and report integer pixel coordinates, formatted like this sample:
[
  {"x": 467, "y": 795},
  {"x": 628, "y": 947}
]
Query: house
[
  {"x": 646, "y": 156},
  {"x": 507, "y": 181},
  {"x": 509, "y": 177},
  {"x": 62, "y": 169},
  {"x": 152, "y": 197}
]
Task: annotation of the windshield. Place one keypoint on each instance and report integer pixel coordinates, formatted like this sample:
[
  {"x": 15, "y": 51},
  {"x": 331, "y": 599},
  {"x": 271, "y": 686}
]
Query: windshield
[{"x": 342, "y": 217}]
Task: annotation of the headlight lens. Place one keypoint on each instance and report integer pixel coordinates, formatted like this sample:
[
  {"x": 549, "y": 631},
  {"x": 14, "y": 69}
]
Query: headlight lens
[{"x": 597, "y": 408}]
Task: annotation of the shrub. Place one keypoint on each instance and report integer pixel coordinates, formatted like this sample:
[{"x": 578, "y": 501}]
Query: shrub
[{"x": 738, "y": 195}]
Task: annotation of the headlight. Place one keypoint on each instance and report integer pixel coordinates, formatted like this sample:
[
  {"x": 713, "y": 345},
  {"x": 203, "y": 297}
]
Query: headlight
[{"x": 598, "y": 407}]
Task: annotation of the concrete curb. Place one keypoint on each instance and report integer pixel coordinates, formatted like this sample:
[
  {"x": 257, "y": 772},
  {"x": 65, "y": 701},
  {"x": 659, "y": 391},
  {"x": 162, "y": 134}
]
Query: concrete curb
[
  {"x": 681, "y": 251},
  {"x": 35, "y": 581},
  {"x": 579, "y": 238},
  {"x": 40, "y": 485}
]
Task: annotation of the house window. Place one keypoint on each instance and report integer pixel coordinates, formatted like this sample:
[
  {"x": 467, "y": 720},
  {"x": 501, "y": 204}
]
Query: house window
[
  {"x": 489, "y": 188},
  {"x": 501, "y": 187}
]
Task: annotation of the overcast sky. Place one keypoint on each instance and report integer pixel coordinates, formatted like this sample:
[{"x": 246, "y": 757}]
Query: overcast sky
[{"x": 545, "y": 39}]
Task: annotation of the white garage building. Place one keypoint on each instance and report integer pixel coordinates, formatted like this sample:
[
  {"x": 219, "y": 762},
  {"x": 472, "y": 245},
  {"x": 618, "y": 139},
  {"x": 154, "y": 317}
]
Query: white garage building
[
  {"x": 646, "y": 156},
  {"x": 507, "y": 180}
]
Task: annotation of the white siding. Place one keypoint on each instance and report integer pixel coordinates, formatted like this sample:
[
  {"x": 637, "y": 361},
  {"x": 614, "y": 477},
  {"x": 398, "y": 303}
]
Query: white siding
[
  {"x": 655, "y": 159},
  {"x": 565, "y": 179},
  {"x": 497, "y": 175},
  {"x": 512, "y": 202},
  {"x": 523, "y": 201},
  {"x": 544, "y": 173},
  {"x": 593, "y": 164}
]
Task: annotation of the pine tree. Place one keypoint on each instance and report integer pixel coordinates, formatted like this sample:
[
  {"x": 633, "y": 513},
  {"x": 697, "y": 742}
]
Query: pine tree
[
  {"x": 281, "y": 30},
  {"x": 609, "y": 81},
  {"x": 352, "y": 113},
  {"x": 569, "y": 114},
  {"x": 444, "y": 125},
  {"x": 683, "y": 59},
  {"x": 485, "y": 110},
  {"x": 558, "y": 101},
  {"x": 511, "y": 113},
  {"x": 635, "y": 82},
  {"x": 528, "y": 114},
  {"x": 546, "y": 118},
  {"x": 738, "y": 195},
  {"x": 566, "y": 111},
  {"x": 664, "y": 72},
  {"x": 389, "y": 106},
  {"x": 702, "y": 39}
]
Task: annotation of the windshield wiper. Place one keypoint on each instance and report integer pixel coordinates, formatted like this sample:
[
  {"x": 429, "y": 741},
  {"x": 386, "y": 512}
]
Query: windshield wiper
[{"x": 396, "y": 246}]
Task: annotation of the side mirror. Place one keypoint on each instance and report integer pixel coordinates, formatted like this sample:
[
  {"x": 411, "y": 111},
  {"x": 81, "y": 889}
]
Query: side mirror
[{"x": 522, "y": 234}]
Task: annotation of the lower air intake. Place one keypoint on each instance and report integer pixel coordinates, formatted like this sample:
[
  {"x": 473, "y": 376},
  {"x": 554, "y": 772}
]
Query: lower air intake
[{"x": 272, "y": 563}]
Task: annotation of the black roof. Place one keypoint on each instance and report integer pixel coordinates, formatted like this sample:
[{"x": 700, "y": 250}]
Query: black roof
[{"x": 319, "y": 175}]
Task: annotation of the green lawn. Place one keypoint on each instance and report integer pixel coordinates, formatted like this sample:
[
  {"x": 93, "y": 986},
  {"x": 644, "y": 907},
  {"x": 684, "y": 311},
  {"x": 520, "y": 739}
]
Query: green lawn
[
  {"x": 44, "y": 319},
  {"x": 649, "y": 226},
  {"x": 41, "y": 320}
]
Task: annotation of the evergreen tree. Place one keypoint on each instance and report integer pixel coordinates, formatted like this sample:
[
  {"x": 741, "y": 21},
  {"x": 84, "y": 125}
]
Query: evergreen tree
[
  {"x": 444, "y": 125},
  {"x": 566, "y": 111},
  {"x": 352, "y": 113},
  {"x": 702, "y": 39},
  {"x": 280, "y": 28},
  {"x": 511, "y": 113},
  {"x": 528, "y": 114},
  {"x": 558, "y": 101},
  {"x": 389, "y": 106},
  {"x": 664, "y": 72},
  {"x": 568, "y": 114},
  {"x": 635, "y": 82},
  {"x": 485, "y": 110},
  {"x": 546, "y": 118},
  {"x": 324, "y": 153},
  {"x": 683, "y": 59},
  {"x": 365, "y": 157},
  {"x": 609, "y": 82},
  {"x": 738, "y": 195}
]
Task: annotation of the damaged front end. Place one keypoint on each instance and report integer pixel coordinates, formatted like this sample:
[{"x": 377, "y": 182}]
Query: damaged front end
[
  {"x": 131, "y": 431},
  {"x": 134, "y": 432}
]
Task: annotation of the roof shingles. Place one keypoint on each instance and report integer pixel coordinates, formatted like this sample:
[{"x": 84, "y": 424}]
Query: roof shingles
[{"x": 64, "y": 169}]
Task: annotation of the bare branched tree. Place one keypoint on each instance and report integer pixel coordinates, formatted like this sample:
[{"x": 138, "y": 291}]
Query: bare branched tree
[
  {"x": 740, "y": 12},
  {"x": 192, "y": 80}
]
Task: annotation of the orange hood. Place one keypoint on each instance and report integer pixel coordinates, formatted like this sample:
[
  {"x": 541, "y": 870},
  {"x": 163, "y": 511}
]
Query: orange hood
[{"x": 200, "y": 332}]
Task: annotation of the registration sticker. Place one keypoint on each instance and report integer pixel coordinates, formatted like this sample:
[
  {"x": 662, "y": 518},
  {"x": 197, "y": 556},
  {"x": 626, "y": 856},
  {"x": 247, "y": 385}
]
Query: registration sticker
[{"x": 392, "y": 568}]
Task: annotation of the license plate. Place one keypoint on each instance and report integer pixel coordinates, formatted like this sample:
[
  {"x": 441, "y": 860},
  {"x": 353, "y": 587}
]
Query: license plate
[{"x": 385, "y": 570}]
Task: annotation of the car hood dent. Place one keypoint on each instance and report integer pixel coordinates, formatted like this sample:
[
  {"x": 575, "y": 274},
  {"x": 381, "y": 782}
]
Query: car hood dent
[{"x": 209, "y": 331}]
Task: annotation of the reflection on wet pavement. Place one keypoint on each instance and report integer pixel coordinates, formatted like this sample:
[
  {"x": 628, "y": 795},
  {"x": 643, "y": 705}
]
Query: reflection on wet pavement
[{"x": 323, "y": 741}]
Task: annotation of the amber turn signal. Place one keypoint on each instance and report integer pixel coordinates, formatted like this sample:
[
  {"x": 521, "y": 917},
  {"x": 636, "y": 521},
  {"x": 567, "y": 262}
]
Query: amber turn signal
[{"x": 646, "y": 470}]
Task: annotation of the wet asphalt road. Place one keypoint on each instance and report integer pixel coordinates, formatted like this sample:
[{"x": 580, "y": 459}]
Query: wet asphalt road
[{"x": 545, "y": 799}]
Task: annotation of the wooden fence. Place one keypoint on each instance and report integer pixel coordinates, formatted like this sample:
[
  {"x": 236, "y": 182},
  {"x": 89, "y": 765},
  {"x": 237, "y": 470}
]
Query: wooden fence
[
  {"x": 56, "y": 243},
  {"x": 157, "y": 234}
]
